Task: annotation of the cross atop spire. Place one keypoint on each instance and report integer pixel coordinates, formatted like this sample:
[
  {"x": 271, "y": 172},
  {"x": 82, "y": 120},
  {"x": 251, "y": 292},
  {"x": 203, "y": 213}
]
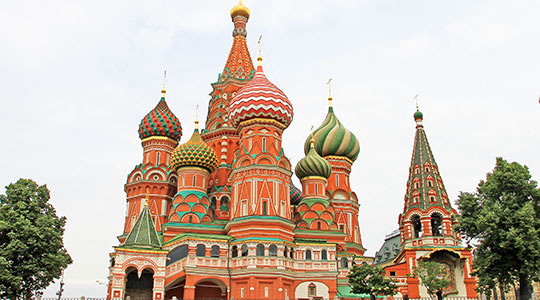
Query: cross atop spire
[
  {"x": 259, "y": 59},
  {"x": 164, "y": 90},
  {"x": 197, "y": 117},
  {"x": 329, "y": 92}
]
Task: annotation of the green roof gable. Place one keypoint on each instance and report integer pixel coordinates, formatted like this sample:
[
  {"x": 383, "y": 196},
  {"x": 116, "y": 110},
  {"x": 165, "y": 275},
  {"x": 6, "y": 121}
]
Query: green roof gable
[{"x": 143, "y": 234}]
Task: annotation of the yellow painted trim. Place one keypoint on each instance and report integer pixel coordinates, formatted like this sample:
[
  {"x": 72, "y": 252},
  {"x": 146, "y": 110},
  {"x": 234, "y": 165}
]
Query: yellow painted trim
[
  {"x": 141, "y": 251},
  {"x": 265, "y": 121},
  {"x": 338, "y": 157},
  {"x": 313, "y": 177},
  {"x": 158, "y": 138}
]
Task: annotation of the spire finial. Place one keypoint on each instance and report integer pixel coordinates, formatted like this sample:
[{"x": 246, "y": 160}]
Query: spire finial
[
  {"x": 329, "y": 92},
  {"x": 416, "y": 99},
  {"x": 164, "y": 90},
  {"x": 259, "y": 59},
  {"x": 312, "y": 138},
  {"x": 197, "y": 117}
]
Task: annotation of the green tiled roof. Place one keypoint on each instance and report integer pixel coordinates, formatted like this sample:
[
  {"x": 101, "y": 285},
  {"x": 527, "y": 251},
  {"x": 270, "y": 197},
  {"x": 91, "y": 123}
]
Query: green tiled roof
[
  {"x": 390, "y": 249},
  {"x": 345, "y": 291},
  {"x": 143, "y": 234}
]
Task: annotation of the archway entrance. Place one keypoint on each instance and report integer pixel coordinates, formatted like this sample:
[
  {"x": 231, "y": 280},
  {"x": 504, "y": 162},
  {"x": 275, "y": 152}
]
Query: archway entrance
[
  {"x": 175, "y": 289},
  {"x": 139, "y": 287},
  {"x": 210, "y": 289}
]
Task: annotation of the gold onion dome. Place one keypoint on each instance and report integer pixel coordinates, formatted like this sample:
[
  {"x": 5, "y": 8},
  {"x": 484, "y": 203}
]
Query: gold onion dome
[
  {"x": 194, "y": 153},
  {"x": 240, "y": 10},
  {"x": 333, "y": 139},
  {"x": 313, "y": 165}
]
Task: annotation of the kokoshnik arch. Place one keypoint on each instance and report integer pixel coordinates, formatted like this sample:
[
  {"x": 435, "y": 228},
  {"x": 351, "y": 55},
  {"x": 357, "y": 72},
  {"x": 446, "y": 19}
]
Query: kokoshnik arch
[{"x": 219, "y": 217}]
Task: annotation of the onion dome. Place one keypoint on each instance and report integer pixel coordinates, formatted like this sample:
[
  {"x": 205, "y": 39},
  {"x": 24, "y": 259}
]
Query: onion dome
[
  {"x": 418, "y": 115},
  {"x": 160, "y": 122},
  {"x": 313, "y": 165},
  {"x": 295, "y": 193},
  {"x": 260, "y": 98},
  {"x": 240, "y": 10},
  {"x": 194, "y": 153},
  {"x": 333, "y": 139}
]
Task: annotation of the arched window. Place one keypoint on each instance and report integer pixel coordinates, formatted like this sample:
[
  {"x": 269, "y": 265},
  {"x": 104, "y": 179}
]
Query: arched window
[
  {"x": 190, "y": 219},
  {"x": 308, "y": 254},
  {"x": 224, "y": 203},
  {"x": 214, "y": 251},
  {"x": 337, "y": 180},
  {"x": 312, "y": 290},
  {"x": 292, "y": 253},
  {"x": 272, "y": 250},
  {"x": 244, "y": 250},
  {"x": 264, "y": 144},
  {"x": 417, "y": 226},
  {"x": 324, "y": 255},
  {"x": 265, "y": 208},
  {"x": 318, "y": 225},
  {"x": 285, "y": 250},
  {"x": 177, "y": 254},
  {"x": 213, "y": 202},
  {"x": 157, "y": 158},
  {"x": 260, "y": 250},
  {"x": 344, "y": 262},
  {"x": 436, "y": 224},
  {"x": 234, "y": 251},
  {"x": 201, "y": 250}
]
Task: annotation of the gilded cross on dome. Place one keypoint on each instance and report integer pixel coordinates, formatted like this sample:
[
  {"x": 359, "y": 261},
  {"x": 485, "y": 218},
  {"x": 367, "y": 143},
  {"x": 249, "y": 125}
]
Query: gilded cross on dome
[{"x": 329, "y": 92}]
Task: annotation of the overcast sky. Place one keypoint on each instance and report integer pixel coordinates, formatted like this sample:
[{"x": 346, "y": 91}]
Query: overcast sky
[{"x": 77, "y": 76}]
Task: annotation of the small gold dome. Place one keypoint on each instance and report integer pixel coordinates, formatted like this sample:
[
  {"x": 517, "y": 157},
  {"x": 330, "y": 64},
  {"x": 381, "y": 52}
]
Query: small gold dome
[{"x": 240, "y": 9}]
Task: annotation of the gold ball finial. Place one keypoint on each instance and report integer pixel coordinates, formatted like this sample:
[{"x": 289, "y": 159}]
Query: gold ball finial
[{"x": 240, "y": 10}]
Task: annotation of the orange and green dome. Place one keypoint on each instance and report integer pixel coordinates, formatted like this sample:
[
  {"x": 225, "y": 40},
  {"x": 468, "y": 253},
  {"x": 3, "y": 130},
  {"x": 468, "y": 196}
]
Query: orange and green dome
[
  {"x": 194, "y": 153},
  {"x": 160, "y": 122},
  {"x": 313, "y": 165},
  {"x": 333, "y": 139}
]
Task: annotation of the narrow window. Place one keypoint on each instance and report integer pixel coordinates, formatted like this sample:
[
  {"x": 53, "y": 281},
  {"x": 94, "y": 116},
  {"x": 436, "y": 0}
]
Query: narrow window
[
  {"x": 392, "y": 273},
  {"x": 147, "y": 157},
  {"x": 285, "y": 251},
  {"x": 436, "y": 224},
  {"x": 318, "y": 225},
  {"x": 427, "y": 169},
  {"x": 312, "y": 290},
  {"x": 264, "y": 144},
  {"x": 308, "y": 254},
  {"x": 417, "y": 226},
  {"x": 342, "y": 227},
  {"x": 430, "y": 183},
  {"x": 242, "y": 292},
  {"x": 157, "y": 158},
  {"x": 266, "y": 291},
  {"x": 272, "y": 250},
  {"x": 344, "y": 262},
  {"x": 235, "y": 251},
  {"x": 190, "y": 219},
  {"x": 337, "y": 180},
  {"x": 324, "y": 255},
  {"x": 244, "y": 250},
  {"x": 292, "y": 253},
  {"x": 432, "y": 199},
  {"x": 250, "y": 143},
  {"x": 260, "y": 250},
  {"x": 194, "y": 180},
  {"x": 201, "y": 250},
  {"x": 214, "y": 252},
  {"x": 264, "y": 208},
  {"x": 244, "y": 208}
]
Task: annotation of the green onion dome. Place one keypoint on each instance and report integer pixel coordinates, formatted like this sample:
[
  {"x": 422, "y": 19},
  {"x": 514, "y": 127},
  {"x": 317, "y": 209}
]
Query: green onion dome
[
  {"x": 194, "y": 153},
  {"x": 160, "y": 122},
  {"x": 418, "y": 115},
  {"x": 313, "y": 165},
  {"x": 333, "y": 139}
]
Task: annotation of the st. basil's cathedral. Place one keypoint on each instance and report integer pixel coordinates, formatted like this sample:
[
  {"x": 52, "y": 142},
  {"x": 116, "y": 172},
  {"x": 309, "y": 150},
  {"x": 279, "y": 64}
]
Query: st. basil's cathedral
[{"x": 218, "y": 217}]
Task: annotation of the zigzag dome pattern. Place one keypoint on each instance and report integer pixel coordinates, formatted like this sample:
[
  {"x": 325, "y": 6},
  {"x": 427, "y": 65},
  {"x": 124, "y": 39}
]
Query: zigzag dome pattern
[
  {"x": 260, "y": 99},
  {"x": 333, "y": 139},
  {"x": 194, "y": 153},
  {"x": 160, "y": 122}
]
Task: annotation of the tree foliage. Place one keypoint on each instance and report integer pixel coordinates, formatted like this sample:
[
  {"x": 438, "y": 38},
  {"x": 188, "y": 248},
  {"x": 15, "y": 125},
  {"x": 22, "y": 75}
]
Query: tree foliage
[
  {"x": 433, "y": 276},
  {"x": 368, "y": 279},
  {"x": 502, "y": 220},
  {"x": 32, "y": 252}
]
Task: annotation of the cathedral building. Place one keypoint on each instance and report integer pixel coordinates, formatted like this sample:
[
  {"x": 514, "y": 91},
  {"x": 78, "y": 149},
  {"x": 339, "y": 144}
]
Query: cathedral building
[
  {"x": 426, "y": 229},
  {"x": 218, "y": 216}
]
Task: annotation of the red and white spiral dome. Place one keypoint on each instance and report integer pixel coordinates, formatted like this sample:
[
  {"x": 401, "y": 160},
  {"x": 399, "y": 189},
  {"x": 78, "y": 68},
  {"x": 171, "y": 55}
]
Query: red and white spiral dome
[{"x": 260, "y": 98}]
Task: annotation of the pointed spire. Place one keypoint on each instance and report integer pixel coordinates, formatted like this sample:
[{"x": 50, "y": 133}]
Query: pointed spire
[
  {"x": 425, "y": 185},
  {"x": 143, "y": 234}
]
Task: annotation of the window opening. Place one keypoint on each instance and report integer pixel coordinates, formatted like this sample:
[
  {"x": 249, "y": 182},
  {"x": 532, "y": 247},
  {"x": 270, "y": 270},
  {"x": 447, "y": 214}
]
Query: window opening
[
  {"x": 260, "y": 250},
  {"x": 272, "y": 250},
  {"x": 244, "y": 250},
  {"x": 436, "y": 225},
  {"x": 308, "y": 254},
  {"x": 234, "y": 251},
  {"x": 324, "y": 255},
  {"x": 201, "y": 250},
  {"x": 417, "y": 226},
  {"x": 214, "y": 251}
]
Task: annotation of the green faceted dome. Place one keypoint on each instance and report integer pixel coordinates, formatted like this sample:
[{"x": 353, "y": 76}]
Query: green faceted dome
[
  {"x": 333, "y": 139},
  {"x": 194, "y": 153},
  {"x": 418, "y": 115},
  {"x": 313, "y": 165}
]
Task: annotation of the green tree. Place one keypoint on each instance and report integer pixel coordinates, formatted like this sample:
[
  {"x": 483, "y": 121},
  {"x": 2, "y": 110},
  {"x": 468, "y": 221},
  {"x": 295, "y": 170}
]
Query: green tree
[
  {"x": 32, "y": 252},
  {"x": 502, "y": 220},
  {"x": 433, "y": 276},
  {"x": 368, "y": 279}
]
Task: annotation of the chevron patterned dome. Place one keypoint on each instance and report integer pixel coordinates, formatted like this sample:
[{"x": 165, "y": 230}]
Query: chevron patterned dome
[
  {"x": 333, "y": 139},
  {"x": 313, "y": 165},
  {"x": 160, "y": 122},
  {"x": 194, "y": 153},
  {"x": 260, "y": 99}
]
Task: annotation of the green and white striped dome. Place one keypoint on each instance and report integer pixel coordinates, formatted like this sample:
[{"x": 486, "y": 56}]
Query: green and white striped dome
[{"x": 313, "y": 165}]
